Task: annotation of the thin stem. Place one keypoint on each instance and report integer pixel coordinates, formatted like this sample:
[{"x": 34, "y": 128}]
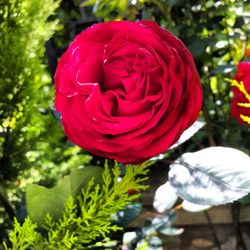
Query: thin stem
[
  {"x": 208, "y": 125},
  {"x": 7, "y": 206},
  {"x": 240, "y": 243},
  {"x": 217, "y": 242},
  {"x": 228, "y": 38}
]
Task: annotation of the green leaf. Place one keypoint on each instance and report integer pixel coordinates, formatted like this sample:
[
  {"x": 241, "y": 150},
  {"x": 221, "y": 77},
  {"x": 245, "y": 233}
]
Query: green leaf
[
  {"x": 245, "y": 200},
  {"x": 172, "y": 2},
  {"x": 197, "y": 47},
  {"x": 224, "y": 69},
  {"x": 239, "y": 22},
  {"x": 87, "y": 3},
  {"x": 79, "y": 179},
  {"x": 127, "y": 215},
  {"x": 41, "y": 200}
]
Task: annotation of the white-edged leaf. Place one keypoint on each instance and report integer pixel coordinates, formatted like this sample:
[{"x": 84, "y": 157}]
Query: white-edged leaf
[
  {"x": 191, "y": 207},
  {"x": 155, "y": 243},
  {"x": 165, "y": 197},
  {"x": 212, "y": 176},
  {"x": 157, "y": 157},
  {"x": 128, "y": 237},
  {"x": 187, "y": 134},
  {"x": 171, "y": 231}
]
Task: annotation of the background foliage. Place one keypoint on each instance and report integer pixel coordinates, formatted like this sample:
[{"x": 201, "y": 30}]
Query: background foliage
[
  {"x": 89, "y": 215},
  {"x": 32, "y": 145}
]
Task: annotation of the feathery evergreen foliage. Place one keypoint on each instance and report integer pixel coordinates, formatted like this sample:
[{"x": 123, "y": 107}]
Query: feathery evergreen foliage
[
  {"x": 24, "y": 29},
  {"x": 30, "y": 138},
  {"x": 90, "y": 217}
]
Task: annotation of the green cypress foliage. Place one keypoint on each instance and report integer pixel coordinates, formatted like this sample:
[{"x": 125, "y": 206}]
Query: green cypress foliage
[
  {"x": 86, "y": 219},
  {"x": 24, "y": 91}
]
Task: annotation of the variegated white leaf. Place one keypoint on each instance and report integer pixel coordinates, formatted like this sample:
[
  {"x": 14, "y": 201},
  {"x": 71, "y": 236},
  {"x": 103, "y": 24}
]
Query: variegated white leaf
[
  {"x": 211, "y": 176},
  {"x": 171, "y": 231},
  {"x": 187, "y": 134},
  {"x": 165, "y": 197},
  {"x": 191, "y": 207}
]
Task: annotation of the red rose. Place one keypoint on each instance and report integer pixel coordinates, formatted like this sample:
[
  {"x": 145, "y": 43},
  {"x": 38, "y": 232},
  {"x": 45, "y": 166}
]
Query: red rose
[
  {"x": 240, "y": 108},
  {"x": 127, "y": 90}
]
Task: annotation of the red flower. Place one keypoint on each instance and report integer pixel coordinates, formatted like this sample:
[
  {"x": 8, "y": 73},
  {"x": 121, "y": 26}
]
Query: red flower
[
  {"x": 240, "y": 108},
  {"x": 127, "y": 90}
]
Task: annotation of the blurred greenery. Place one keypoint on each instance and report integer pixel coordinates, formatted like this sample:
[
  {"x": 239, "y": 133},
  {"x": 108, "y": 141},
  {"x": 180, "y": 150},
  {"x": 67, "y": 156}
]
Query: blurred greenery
[
  {"x": 80, "y": 211},
  {"x": 217, "y": 34},
  {"x": 33, "y": 148}
]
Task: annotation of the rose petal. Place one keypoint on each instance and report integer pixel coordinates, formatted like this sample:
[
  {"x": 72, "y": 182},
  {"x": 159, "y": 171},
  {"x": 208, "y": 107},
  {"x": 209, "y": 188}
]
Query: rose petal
[{"x": 127, "y": 90}]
